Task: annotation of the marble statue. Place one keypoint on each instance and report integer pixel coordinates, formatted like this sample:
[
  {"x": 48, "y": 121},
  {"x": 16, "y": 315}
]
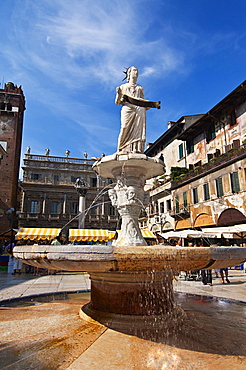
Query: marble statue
[{"x": 130, "y": 95}]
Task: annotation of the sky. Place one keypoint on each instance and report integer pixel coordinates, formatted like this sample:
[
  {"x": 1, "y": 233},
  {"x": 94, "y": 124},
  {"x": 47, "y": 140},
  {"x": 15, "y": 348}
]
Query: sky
[{"x": 69, "y": 57}]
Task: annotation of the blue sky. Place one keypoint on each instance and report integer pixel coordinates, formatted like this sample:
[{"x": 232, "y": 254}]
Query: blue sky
[{"x": 69, "y": 57}]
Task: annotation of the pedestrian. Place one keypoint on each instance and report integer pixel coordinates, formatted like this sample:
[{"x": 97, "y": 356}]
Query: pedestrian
[
  {"x": 206, "y": 277},
  {"x": 55, "y": 241},
  {"x": 222, "y": 271},
  {"x": 216, "y": 271},
  {"x": 17, "y": 266}
]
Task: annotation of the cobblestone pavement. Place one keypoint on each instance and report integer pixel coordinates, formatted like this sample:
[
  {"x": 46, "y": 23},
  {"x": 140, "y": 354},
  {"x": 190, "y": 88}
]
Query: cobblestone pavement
[{"x": 23, "y": 285}]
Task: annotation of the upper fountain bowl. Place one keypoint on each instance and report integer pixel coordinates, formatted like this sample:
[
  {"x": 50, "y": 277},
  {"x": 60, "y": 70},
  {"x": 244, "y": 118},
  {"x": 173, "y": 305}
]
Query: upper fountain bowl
[{"x": 112, "y": 165}]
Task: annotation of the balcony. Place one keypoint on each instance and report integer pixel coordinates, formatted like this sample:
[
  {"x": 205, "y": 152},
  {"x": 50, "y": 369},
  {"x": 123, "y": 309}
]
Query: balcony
[
  {"x": 181, "y": 212},
  {"x": 51, "y": 158},
  {"x": 213, "y": 165}
]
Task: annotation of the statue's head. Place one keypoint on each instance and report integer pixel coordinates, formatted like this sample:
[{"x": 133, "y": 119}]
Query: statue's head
[
  {"x": 131, "y": 70},
  {"x": 130, "y": 193}
]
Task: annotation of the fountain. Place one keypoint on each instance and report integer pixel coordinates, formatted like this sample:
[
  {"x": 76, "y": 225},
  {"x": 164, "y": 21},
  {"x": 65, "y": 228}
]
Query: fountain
[{"x": 131, "y": 282}]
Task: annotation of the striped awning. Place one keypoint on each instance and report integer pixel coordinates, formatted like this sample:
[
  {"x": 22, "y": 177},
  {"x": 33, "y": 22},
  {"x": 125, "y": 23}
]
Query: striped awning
[
  {"x": 147, "y": 234},
  {"x": 36, "y": 233},
  {"x": 94, "y": 235},
  {"x": 90, "y": 235}
]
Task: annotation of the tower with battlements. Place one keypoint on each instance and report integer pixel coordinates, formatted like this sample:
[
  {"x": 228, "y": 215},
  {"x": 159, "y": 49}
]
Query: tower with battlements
[{"x": 12, "y": 107}]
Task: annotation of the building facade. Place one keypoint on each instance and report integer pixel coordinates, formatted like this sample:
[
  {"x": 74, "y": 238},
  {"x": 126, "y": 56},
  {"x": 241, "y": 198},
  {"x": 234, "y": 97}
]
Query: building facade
[
  {"x": 12, "y": 107},
  {"x": 205, "y": 157},
  {"x": 50, "y": 199}
]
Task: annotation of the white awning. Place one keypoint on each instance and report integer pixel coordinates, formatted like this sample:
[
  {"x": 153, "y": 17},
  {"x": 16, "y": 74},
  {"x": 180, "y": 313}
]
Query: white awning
[
  {"x": 190, "y": 234},
  {"x": 235, "y": 231}
]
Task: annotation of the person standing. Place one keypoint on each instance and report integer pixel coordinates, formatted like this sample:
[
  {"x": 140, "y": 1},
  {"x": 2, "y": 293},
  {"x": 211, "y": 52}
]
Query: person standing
[
  {"x": 222, "y": 271},
  {"x": 206, "y": 277}
]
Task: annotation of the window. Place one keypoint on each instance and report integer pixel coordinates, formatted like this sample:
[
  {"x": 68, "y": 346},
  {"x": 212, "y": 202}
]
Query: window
[
  {"x": 93, "y": 210},
  {"x": 177, "y": 204},
  {"x": 36, "y": 176},
  {"x": 206, "y": 194},
  {"x": 217, "y": 153},
  {"x": 181, "y": 151},
  {"x": 74, "y": 208},
  {"x": 185, "y": 202},
  {"x": 195, "y": 195},
  {"x": 156, "y": 209},
  {"x": 235, "y": 186},
  {"x": 56, "y": 178},
  {"x": 93, "y": 182},
  {"x": 236, "y": 144},
  {"x": 168, "y": 204},
  {"x": 54, "y": 207},
  {"x": 190, "y": 146},
  {"x": 111, "y": 210},
  {"x": 161, "y": 207},
  {"x": 219, "y": 187},
  {"x": 34, "y": 206},
  {"x": 9, "y": 106},
  {"x": 233, "y": 119},
  {"x": 211, "y": 134}
]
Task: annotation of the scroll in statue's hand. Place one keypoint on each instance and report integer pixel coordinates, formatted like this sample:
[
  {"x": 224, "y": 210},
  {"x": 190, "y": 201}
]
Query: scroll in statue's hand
[{"x": 141, "y": 102}]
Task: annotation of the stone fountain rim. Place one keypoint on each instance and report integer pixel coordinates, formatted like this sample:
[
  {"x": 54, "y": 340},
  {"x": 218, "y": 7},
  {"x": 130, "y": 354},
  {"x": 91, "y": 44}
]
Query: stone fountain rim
[
  {"x": 151, "y": 166},
  {"x": 129, "y": 259},
  {"x": 121, "y": 250}
]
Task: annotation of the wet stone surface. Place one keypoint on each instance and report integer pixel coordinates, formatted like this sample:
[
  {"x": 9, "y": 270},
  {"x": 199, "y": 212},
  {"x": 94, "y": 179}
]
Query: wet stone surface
[{"x": 47, "y": 333}]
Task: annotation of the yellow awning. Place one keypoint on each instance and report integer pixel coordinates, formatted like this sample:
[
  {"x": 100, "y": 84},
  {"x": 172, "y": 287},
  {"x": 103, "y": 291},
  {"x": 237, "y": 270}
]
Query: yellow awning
[
  {"x": 147, "y": 234},
  {"x": 89, "y": 235},
  {"x": 36, "y": 233}
]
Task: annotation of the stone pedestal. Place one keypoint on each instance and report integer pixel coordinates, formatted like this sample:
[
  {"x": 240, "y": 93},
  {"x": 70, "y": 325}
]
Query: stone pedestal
[
  {"x": 130, "y": 171},
  {"x": 149, "y": 293},
  {"x": 133, "y": 302}
]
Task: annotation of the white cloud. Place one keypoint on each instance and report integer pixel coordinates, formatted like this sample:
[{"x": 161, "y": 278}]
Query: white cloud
[{"x": 83, "y": 40}]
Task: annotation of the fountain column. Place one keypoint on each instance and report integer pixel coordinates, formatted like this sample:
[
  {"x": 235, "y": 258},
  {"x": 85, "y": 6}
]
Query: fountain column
[{"x": 120, "y": 297}]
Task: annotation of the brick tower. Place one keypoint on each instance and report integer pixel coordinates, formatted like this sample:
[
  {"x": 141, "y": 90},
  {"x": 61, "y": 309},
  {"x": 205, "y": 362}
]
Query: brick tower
[{"x": 12, "y": 106}]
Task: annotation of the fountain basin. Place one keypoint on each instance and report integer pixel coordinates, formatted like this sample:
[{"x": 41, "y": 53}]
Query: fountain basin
[{"x": 131, "y": 286}]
